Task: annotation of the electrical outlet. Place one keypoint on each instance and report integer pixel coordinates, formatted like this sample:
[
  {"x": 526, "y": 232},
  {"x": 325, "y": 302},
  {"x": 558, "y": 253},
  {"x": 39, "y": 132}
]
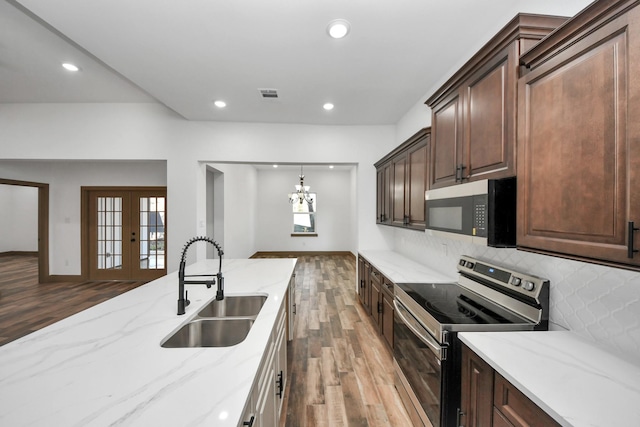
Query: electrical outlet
[{"x": 444, "y": 248}]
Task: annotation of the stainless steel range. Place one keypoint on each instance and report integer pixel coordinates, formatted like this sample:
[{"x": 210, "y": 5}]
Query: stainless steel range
[{"x": 427, "y": 352}]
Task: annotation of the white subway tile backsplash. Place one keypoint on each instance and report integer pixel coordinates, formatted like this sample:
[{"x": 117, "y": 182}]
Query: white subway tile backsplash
[{"x": 597, "y": 302}]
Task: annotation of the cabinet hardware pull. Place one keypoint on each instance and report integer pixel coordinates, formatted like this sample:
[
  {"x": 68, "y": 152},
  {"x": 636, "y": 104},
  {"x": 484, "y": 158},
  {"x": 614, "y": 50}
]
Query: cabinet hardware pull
[
  {"x": 630, "y": 230},
  {"x": 280, "y": 383},
  {"x": 294, "y": 308},
  {"x": 459, "y": 169},
  {"x": 379, "y": 307},
  {"x": 458, "y": 417},
  {"x": 362, "y": 283},
  {"x": 250, "y": 422}
]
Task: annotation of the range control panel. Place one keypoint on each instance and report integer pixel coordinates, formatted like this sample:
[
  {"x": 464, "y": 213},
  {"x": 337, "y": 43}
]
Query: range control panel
[{"x": 515, "y": 281}]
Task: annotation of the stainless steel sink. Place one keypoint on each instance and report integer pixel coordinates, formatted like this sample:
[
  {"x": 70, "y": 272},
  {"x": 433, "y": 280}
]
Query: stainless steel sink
[
  {"x": 219, "y": 323},
  {"x": 234, "y": 306},
  {"x": 211, "y": 332}
]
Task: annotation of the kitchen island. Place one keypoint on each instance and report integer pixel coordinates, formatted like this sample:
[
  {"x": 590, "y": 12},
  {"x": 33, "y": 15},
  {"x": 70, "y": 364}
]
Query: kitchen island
[{"x": 104, "y": 365}]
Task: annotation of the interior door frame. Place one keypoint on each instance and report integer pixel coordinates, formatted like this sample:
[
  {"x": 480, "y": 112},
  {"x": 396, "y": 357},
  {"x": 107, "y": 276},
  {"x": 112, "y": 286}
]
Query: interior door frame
[
  {"x": 85, "y": 214},
  {"x": 43, "y": 225}
]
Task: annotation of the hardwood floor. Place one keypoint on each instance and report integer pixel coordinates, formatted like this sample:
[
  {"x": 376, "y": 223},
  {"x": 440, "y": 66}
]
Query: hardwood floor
[
  {"x": 340, "y": 371},
  {"x": 26, "y": 306}
]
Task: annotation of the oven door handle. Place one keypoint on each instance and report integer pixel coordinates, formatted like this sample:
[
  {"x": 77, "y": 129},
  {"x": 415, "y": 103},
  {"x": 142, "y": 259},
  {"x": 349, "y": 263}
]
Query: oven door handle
[{"x": 419, "y": 330}]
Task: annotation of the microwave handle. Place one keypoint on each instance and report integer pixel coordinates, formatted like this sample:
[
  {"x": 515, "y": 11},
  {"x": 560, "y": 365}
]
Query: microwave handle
[{"x": 419, "y": 331}]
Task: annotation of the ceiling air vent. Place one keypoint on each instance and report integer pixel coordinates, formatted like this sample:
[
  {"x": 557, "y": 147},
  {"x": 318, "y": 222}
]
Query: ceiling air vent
[{"x": 268, "y": 93}]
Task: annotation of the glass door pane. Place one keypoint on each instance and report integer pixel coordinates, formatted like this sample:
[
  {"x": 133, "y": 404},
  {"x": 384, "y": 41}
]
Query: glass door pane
[
  {"x": 109, "y": 241},
  {"x": 151, "y": 233}
]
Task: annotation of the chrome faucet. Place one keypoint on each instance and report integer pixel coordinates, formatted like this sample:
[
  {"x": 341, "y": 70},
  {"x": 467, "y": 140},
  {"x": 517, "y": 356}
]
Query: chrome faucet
[{"x": 183, "y": 302}]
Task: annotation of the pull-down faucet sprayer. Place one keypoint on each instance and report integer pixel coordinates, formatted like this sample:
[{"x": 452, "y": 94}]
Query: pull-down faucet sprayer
[{"x": 183, "y": 302}]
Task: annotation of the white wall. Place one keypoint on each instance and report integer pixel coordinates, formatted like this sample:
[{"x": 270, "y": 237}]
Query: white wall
[
  {"x": 334, "y": 220},
  {"x": 18, "y": 218},
  {"x": 237, "y": 218},
  {"x": 151, "y": 131},
  {"x": 65, "y": 179}
]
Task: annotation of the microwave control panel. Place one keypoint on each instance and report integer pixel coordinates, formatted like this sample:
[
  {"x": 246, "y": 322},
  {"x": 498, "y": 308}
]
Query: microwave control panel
[{"x": 480, "y": 215}]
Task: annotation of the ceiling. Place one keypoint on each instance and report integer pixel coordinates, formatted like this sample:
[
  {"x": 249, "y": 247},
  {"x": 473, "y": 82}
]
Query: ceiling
[{"x": 186, "y": 54}]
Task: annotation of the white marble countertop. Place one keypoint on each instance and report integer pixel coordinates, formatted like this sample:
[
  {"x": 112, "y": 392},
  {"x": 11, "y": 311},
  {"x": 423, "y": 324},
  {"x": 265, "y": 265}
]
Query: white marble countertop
[
  {"x": 574, "y": 381},
  {"x": 400, "y": 269},
  {"x": 104, "y": 366}
]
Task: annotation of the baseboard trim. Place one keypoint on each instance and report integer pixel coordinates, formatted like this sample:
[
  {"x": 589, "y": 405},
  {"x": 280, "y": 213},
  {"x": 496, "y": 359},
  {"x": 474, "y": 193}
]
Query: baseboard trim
[
  {"x": 59, "y": 278},
  {"x": 295, "y": 254},
  {"x": 19, "y": 253}
]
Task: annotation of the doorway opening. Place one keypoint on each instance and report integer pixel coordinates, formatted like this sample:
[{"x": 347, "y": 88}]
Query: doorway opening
[{"x": 43, "y": 224}]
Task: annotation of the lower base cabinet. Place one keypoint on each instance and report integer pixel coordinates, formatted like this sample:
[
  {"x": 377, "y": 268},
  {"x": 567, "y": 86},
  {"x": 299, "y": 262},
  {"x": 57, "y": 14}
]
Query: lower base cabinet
[
  {"x": 264, "y": 404},
  {"x": 380, "y": 297},
  {"x": 490, "y": 400}
]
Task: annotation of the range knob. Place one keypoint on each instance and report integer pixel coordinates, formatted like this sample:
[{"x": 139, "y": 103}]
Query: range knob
[
  {"x": 470, "y": 264},
  {"x": 515, "y": 281},
  {"x": 528, "y": 286}
]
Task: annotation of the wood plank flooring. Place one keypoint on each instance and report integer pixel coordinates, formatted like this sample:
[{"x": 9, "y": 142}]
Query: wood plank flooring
[
  {"x": 26, "y": 306},
  {"x": 340, "y": 370}
]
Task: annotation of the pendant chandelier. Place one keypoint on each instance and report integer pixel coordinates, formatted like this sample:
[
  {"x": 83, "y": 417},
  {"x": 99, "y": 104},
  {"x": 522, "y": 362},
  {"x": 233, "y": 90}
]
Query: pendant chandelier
[{"x": 302, "y": 192}]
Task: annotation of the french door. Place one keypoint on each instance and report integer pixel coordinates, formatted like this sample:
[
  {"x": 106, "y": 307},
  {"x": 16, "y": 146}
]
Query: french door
[{"x": 126, "y": 233}]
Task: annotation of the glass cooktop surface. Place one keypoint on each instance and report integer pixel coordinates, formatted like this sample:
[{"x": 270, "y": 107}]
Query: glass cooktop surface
[{"x": 450, "y": 303}]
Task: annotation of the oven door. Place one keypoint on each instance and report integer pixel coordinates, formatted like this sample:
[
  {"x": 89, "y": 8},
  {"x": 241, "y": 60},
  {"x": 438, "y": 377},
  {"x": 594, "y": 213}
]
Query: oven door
[{"x": 421, "y": 361}]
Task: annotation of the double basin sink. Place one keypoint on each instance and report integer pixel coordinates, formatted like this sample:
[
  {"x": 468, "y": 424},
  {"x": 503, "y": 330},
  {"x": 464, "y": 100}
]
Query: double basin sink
[{"x": 221, "y": 323}]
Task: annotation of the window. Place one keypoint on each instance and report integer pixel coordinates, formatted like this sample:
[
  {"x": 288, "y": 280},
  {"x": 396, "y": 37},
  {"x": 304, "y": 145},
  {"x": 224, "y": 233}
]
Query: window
[{"x": 304, "y": 216}]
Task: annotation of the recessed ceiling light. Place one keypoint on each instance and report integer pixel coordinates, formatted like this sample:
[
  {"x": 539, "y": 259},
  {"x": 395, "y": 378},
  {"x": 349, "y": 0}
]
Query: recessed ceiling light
[
  {"x": 70, "y": 67},
  {"x": 275, "y": 166},
  {"x": 220, "y": 104},
  {"x": 328, "y": 106},
  {"x": 330, "y": 166},
  {"x": 338, "y": 28}
]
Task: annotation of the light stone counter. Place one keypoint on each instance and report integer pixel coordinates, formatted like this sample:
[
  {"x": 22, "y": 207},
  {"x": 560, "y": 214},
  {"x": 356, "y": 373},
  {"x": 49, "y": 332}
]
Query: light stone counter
[
  {"x": 400, "y": 269},
  {"x": 575, "y": 382},
  {"x": 104, "y": 366}
]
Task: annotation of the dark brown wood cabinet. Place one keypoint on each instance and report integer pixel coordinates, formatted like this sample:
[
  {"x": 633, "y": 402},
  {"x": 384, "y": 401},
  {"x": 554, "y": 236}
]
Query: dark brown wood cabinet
[
  {"x": 487, "y": 399},
  {"x": 380, "y": 306},
  {"x": 474, "y": 116},
  {"x": 476, "y": 400},
  {"x": 579, "y": 138},
  {"x": 364, "y": 285},
  {"x": 402, "y": 179},
  {"x": 384, "y": 193},
  {"x": 516, "y": 409}
]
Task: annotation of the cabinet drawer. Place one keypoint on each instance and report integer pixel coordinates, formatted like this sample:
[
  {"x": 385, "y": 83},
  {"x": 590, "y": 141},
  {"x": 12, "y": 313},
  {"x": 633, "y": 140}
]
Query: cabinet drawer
[{"x": 517, "y": 408}]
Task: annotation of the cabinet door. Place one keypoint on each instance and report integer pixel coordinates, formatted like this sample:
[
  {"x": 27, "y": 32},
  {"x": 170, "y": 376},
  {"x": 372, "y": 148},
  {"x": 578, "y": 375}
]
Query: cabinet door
[
  {"x": 376, "y": 284},
  {"x": 490, "y": 118},
  {"x": 266, "y": 410},
  {"x": 446, "y": 148},
  {"x": 365, "y": 290},
  {"x": 416, "y": 182},
  {"x": 518, "y": 409},
  {"x": 578, "y": 155},
  {"x": 281, "y": 367},
  {"x": 383, "y": 194},
  {"x": 476, "y": 400},
  {"x": 399, "y": 169},
  {"x": 387, "y": 316}
]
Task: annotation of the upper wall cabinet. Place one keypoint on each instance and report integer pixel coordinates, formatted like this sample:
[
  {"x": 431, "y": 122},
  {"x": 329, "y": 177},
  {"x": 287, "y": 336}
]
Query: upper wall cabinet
[
  {"x": 402, "y": 181},
  {"x": 474, "y": 113},
  {"x": 579, "y": 138}
]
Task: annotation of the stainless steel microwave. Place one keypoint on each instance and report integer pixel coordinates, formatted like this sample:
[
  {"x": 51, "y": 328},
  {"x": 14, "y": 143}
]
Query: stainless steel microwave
[{"x": 482, "y": 212}]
